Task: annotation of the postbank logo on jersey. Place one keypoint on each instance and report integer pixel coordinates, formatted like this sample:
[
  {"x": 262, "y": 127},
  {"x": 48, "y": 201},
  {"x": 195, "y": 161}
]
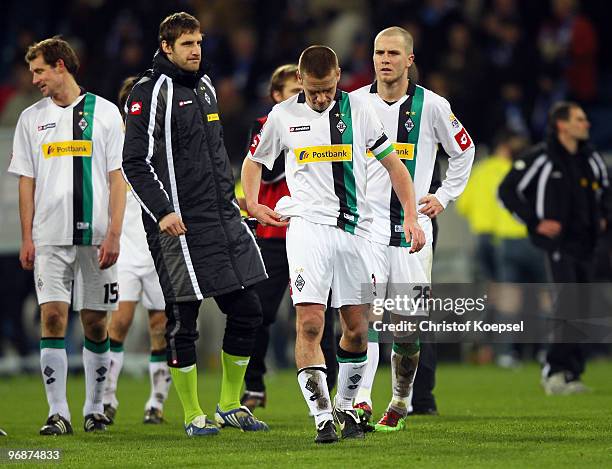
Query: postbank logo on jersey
[
  {"x": 323, "y": 154},
  {"x": 405, "y": 151},
  {"x": 68, "y": 148}
]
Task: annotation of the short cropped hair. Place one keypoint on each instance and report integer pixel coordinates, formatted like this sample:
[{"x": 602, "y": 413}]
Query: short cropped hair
[
  {"x": 52, "y": 50},
  {"x": 560, "y": 111},
  {"x": 176, "y": 24},
  {"x": 318, "y": 61},
  {"x": 124, "y": 93},
  {"x": 280, "y": 76},
  {"x": 397, "y": 31}
]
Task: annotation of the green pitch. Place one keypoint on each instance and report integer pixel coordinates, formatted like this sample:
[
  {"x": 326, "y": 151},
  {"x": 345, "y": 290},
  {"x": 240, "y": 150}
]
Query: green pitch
[{"x": 489, "y": 418}]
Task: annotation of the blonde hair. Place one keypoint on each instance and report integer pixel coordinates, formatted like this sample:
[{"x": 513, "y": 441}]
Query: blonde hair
[{"x": 397, "y": 31}]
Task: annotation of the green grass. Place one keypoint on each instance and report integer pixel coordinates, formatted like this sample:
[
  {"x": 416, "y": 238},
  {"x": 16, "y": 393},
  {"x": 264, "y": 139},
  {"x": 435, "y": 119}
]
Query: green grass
[{"x": 489, "y": 418}]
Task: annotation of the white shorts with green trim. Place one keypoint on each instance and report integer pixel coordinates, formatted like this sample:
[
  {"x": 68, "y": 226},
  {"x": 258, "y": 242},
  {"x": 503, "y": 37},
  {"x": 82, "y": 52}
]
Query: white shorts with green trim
[
  {"x": 324, "y": 257},
  {"x": 57, "y": 267},
  {"x": 399, "y": 274}
]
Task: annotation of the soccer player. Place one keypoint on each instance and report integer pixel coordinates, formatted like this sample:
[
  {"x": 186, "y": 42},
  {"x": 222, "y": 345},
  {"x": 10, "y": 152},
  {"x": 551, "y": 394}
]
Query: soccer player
[
  {"x": 324, "y": 133},
  {"x": 139, "y": 282},
  {"x": 271, "y": 241},
  {"x": 417, "y": 120},
  {"x": 176, "y": 163},
  {"x": 67, "y": 154}
]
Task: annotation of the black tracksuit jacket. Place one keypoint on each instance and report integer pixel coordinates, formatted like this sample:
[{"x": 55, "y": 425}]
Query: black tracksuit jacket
[
  {"x": 175, "y": 161},
  {"x": 550, "y": 183}
]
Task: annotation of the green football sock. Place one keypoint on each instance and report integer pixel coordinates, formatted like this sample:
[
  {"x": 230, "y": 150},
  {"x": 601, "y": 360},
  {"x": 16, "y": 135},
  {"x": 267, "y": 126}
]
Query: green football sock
[
  {"x": 234, "y": 368},
  {"x": 186, "y": 383}
]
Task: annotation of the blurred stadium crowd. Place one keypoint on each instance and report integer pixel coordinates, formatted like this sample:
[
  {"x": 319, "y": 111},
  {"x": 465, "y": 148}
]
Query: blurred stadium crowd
[{"x": 501, "y": 63}]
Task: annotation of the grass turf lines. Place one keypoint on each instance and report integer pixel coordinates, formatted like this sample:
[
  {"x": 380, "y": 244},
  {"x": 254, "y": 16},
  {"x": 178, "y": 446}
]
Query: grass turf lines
[{"x": 489, "y": 417}]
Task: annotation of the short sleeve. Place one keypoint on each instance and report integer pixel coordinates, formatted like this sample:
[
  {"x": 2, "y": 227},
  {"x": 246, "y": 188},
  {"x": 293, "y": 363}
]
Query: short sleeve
[
  {"x": 267, "y": 145},
  {"x": 22, "y": 160}
]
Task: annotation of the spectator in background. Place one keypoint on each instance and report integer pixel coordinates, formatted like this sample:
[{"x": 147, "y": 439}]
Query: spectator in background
[
  {"x": 130, "y": 62},
  {"x": 567, "y": 43},
  {"x": 23, "y": 96},
  {"x": 435, "y": 16},
  {"x": 504, "y": 40},
  {"x": 357, "y": 71},
  {"x": 463, "y": 63},
  {"x": 509, "y": 111}
]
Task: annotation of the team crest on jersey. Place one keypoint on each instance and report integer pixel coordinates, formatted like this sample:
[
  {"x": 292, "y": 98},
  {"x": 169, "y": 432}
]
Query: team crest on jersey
[
  {"x": 51, "y": 125},
  {"x": 341, "y": 126},
  {"x": 409, "y": 124},
  {"x": 300, "y": 282},
  {"x": 82, "y": 124}
]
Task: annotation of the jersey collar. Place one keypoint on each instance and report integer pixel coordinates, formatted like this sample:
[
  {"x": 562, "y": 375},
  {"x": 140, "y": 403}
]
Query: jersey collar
[
  {"x": 409, "y": 91},
  {"x": 338, "y": 96}
]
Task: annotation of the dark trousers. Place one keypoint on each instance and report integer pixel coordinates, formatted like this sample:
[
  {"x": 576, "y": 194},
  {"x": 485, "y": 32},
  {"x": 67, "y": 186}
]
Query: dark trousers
[
  {"x": 17, "y": 284},
  {"x": 565, "y": 356},
  {"x": 425, "y": 379},
  {"x": 243, "y": 311},
  {"x": 271, "y": 292}
]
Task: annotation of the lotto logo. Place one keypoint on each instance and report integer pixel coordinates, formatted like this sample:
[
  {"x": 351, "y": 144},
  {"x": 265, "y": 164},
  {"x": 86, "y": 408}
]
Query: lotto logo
[
  {"x": 463, "y": 139},
  {"x": 136, "y": 108},
  {"x": 255, "y": 143}
]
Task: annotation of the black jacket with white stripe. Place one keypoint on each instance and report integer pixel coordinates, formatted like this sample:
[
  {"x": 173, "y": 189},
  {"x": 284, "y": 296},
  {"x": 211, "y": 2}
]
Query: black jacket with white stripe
[
  {"x": 175, "y": 161},
  {"x": 550, "y": 183}
]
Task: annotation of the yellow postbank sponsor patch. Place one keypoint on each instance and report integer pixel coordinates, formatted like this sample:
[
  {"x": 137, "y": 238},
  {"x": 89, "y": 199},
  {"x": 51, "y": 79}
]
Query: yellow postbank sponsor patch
[
  {"x": 212, "y": 117},
  {"x": 324, "y": 154},
  {"x": 68, "y": 148},
  {"x": 405, "y": 151}
]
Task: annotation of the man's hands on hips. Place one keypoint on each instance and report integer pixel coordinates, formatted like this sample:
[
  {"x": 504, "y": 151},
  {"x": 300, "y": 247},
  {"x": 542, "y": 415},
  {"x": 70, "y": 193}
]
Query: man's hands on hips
[
  {"x": 549, "y": 228},
  {"x": 27, "y": 254},
  {"x": 432, "y": 206},
  {"x": 108, "y": 253},
  {"x": 265, "y": 215},
  {"x": 414, "y": 235},
  {"x": 172, "y": 225}
]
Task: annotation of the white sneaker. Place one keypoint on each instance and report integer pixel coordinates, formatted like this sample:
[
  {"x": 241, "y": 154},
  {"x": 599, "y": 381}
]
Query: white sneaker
[
  {"x": 577, "y": 387},
  {"x": 555, "y": 384}
]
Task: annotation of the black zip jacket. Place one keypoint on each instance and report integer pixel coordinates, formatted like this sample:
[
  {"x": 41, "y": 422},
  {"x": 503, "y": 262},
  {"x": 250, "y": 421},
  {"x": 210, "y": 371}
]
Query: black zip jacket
[
  {"x": 550, "y": 183},
  {"x": 175, "y": 161}
]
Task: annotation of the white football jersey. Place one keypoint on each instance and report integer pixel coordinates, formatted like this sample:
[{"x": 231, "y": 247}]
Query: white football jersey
[
  {"x": 325, "y": 158},
  {"x": 134, "y": 247},
  {"x": 416, "y": 124},
  {"x": 69, "y": 151}
]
